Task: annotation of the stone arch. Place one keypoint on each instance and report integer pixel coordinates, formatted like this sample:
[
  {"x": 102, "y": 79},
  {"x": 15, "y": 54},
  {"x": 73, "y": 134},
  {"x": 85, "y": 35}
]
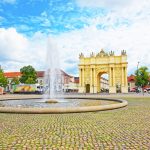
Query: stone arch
[
  {"x": 99, "y": 80},
  {"x": 114, "y": 66}
]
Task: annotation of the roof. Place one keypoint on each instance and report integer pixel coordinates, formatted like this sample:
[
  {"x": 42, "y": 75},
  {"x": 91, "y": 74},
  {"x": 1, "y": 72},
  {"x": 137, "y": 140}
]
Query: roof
[
  {"x": 40, "y": 73},
  {"x": 131, "y": 78},
  {"x": 18, "y": 74},
  {"x": 65, "y": 74},
  {"x": 12, "y": 74}
]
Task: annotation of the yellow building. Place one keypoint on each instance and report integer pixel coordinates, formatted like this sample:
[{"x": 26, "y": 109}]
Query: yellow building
[{"x": 92, "y": 68}]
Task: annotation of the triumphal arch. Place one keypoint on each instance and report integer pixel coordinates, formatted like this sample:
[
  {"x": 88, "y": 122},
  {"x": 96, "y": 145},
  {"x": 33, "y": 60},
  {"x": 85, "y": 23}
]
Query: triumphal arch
[{"x": 91, "y": 68}]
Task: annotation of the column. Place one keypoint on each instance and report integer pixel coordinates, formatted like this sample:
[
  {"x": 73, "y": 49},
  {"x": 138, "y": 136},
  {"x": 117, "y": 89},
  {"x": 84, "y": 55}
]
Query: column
[
  {"x": 122, "y": 76},
  {"x": 94, "y": 81},
  {"x": 91, "y": 76},
  {"x": 80, "y": 77},
  {"x": 83, "y": 77},
  {"x": 112, "y": 86},
  {"x": 91, "y": 80},
  {"x": 114, "y": 77},
  {"x": 125, "y": 76},
  {"x": 124, "y": 87},
  {"x": 110, "y": 77}
]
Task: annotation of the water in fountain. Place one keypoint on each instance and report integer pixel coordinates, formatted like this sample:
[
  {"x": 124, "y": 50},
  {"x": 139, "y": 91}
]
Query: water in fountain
[{"x": 53, "y": 74}]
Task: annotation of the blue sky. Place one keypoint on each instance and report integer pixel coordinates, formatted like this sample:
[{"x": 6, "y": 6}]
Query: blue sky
[
  {"x": 75, "y": 26},
  {"x": 47, "y": 16}
]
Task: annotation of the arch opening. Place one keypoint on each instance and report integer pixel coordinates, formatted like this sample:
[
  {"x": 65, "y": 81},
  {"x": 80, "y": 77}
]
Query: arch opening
[{"x": 102, "y": 82}]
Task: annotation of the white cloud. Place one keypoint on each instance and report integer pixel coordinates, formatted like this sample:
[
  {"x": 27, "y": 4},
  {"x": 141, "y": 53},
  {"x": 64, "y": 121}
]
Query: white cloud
[
  {"x": 17, "y": 50},
  {"x": 134, "y": 39},
  {"x": 113, "y": 4},
  {"x": 116, "y": 10}
]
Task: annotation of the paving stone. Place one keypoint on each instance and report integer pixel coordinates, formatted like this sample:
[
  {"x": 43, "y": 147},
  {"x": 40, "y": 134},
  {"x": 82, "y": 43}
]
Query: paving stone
[{"x": 125, "y": 128}]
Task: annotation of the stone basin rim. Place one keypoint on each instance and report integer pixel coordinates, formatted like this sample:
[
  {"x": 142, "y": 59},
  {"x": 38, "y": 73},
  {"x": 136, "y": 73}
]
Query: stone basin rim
[{"x": 121, "y": 103}]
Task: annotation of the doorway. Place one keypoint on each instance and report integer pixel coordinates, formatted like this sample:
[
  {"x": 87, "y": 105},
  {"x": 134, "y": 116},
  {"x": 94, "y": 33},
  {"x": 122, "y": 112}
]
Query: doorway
[{"x": 87, "y": 86}]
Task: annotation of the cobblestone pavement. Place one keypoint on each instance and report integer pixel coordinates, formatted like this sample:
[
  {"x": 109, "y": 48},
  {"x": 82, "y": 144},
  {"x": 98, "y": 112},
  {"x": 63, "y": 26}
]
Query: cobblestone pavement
[{"x": 120, "y": 129}]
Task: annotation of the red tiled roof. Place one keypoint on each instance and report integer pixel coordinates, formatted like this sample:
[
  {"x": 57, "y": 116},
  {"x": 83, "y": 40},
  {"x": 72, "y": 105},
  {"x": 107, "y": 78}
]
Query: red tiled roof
[
  {"x": 40, "y": 73},
  {"x": 131, "y": 78},
  {"x": 18, "y": 74},
  {"x": 12, "y": 74},
  {"x": 65, "y": 74}
]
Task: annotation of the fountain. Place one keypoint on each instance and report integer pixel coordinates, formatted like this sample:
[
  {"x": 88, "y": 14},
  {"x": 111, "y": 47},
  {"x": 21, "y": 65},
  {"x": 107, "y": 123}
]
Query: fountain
[
  {"x": 53, "y": 75},
  {"x": 51, "y": 102}
]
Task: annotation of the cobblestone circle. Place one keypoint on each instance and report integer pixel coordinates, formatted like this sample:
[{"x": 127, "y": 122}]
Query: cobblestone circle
[{"x": 127, "y": 128}]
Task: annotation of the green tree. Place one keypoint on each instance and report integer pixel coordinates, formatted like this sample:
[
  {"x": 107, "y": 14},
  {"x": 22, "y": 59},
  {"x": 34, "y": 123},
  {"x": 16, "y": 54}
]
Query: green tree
[
  {"x": 29, "y": 75},
  {"x": 3, "y": 79},
  {"x": 15, "y": 81},
  {"x": 142, "y": 77}
]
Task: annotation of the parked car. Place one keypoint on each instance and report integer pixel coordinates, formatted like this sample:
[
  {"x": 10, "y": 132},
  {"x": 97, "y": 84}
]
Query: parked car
[
  {"x": 147, "y": 90},
  {"x": 135, "y": 89}
]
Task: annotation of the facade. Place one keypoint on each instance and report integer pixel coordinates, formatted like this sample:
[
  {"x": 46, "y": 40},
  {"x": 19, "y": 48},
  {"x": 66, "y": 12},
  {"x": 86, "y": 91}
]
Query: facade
[
  {"x": 104, "y": 84},
  {"x": 72, "y": 85},
  {"x": 68, "y": 83},
  {"x": 10, "y": 76},
  {"x": 91, "y": 68},
  {"x": 131, "y": 82},
  {"x": 40, "y": 77}
]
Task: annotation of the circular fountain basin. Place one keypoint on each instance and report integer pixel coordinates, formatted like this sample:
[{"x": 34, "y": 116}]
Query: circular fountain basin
[
  {"x": 51, "y": 101},
  {"x": 67, "y": 105}
]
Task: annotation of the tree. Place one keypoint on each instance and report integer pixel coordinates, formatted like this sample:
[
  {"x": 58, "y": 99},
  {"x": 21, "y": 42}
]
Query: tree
[
  {"x": 15, "y": 81},
  {"x": 142, "y": 77},
  {"x": 3, "y": 79},
  {"x": 29, "y": 75}
]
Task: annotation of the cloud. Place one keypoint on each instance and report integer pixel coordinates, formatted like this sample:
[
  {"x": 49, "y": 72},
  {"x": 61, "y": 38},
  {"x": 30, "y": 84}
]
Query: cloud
[
  {"x": 113, "y": 31},
  {"x": 18, "y": 50},
  {"x": 113, "y": 4},
  {"x": 134, "y": 39}
]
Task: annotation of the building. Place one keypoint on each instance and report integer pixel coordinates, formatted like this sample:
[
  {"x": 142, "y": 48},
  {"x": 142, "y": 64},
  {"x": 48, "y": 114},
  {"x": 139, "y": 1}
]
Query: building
[
  {"x": 67, "y": 82},
  {"x": 131, "y": 82},
  {"x": 10, "y": 76},
  {"x": 93, "y": 67},
  {"x": 104, "y": 84},
  {"x": 72, "y": 85}
]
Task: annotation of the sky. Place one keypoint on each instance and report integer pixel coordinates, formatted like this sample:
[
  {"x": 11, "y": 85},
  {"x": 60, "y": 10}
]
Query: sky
[{"x": 73, "y": 26}]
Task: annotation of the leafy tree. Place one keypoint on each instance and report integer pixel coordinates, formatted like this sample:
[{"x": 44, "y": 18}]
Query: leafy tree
[
  {"x": 15, "y": 81},
  {"x": 3, "y": 79},
  {"x": 29, "y": 80},
  {"x": 142, "y": 77},
  {"x": 29, "y": 75}
]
